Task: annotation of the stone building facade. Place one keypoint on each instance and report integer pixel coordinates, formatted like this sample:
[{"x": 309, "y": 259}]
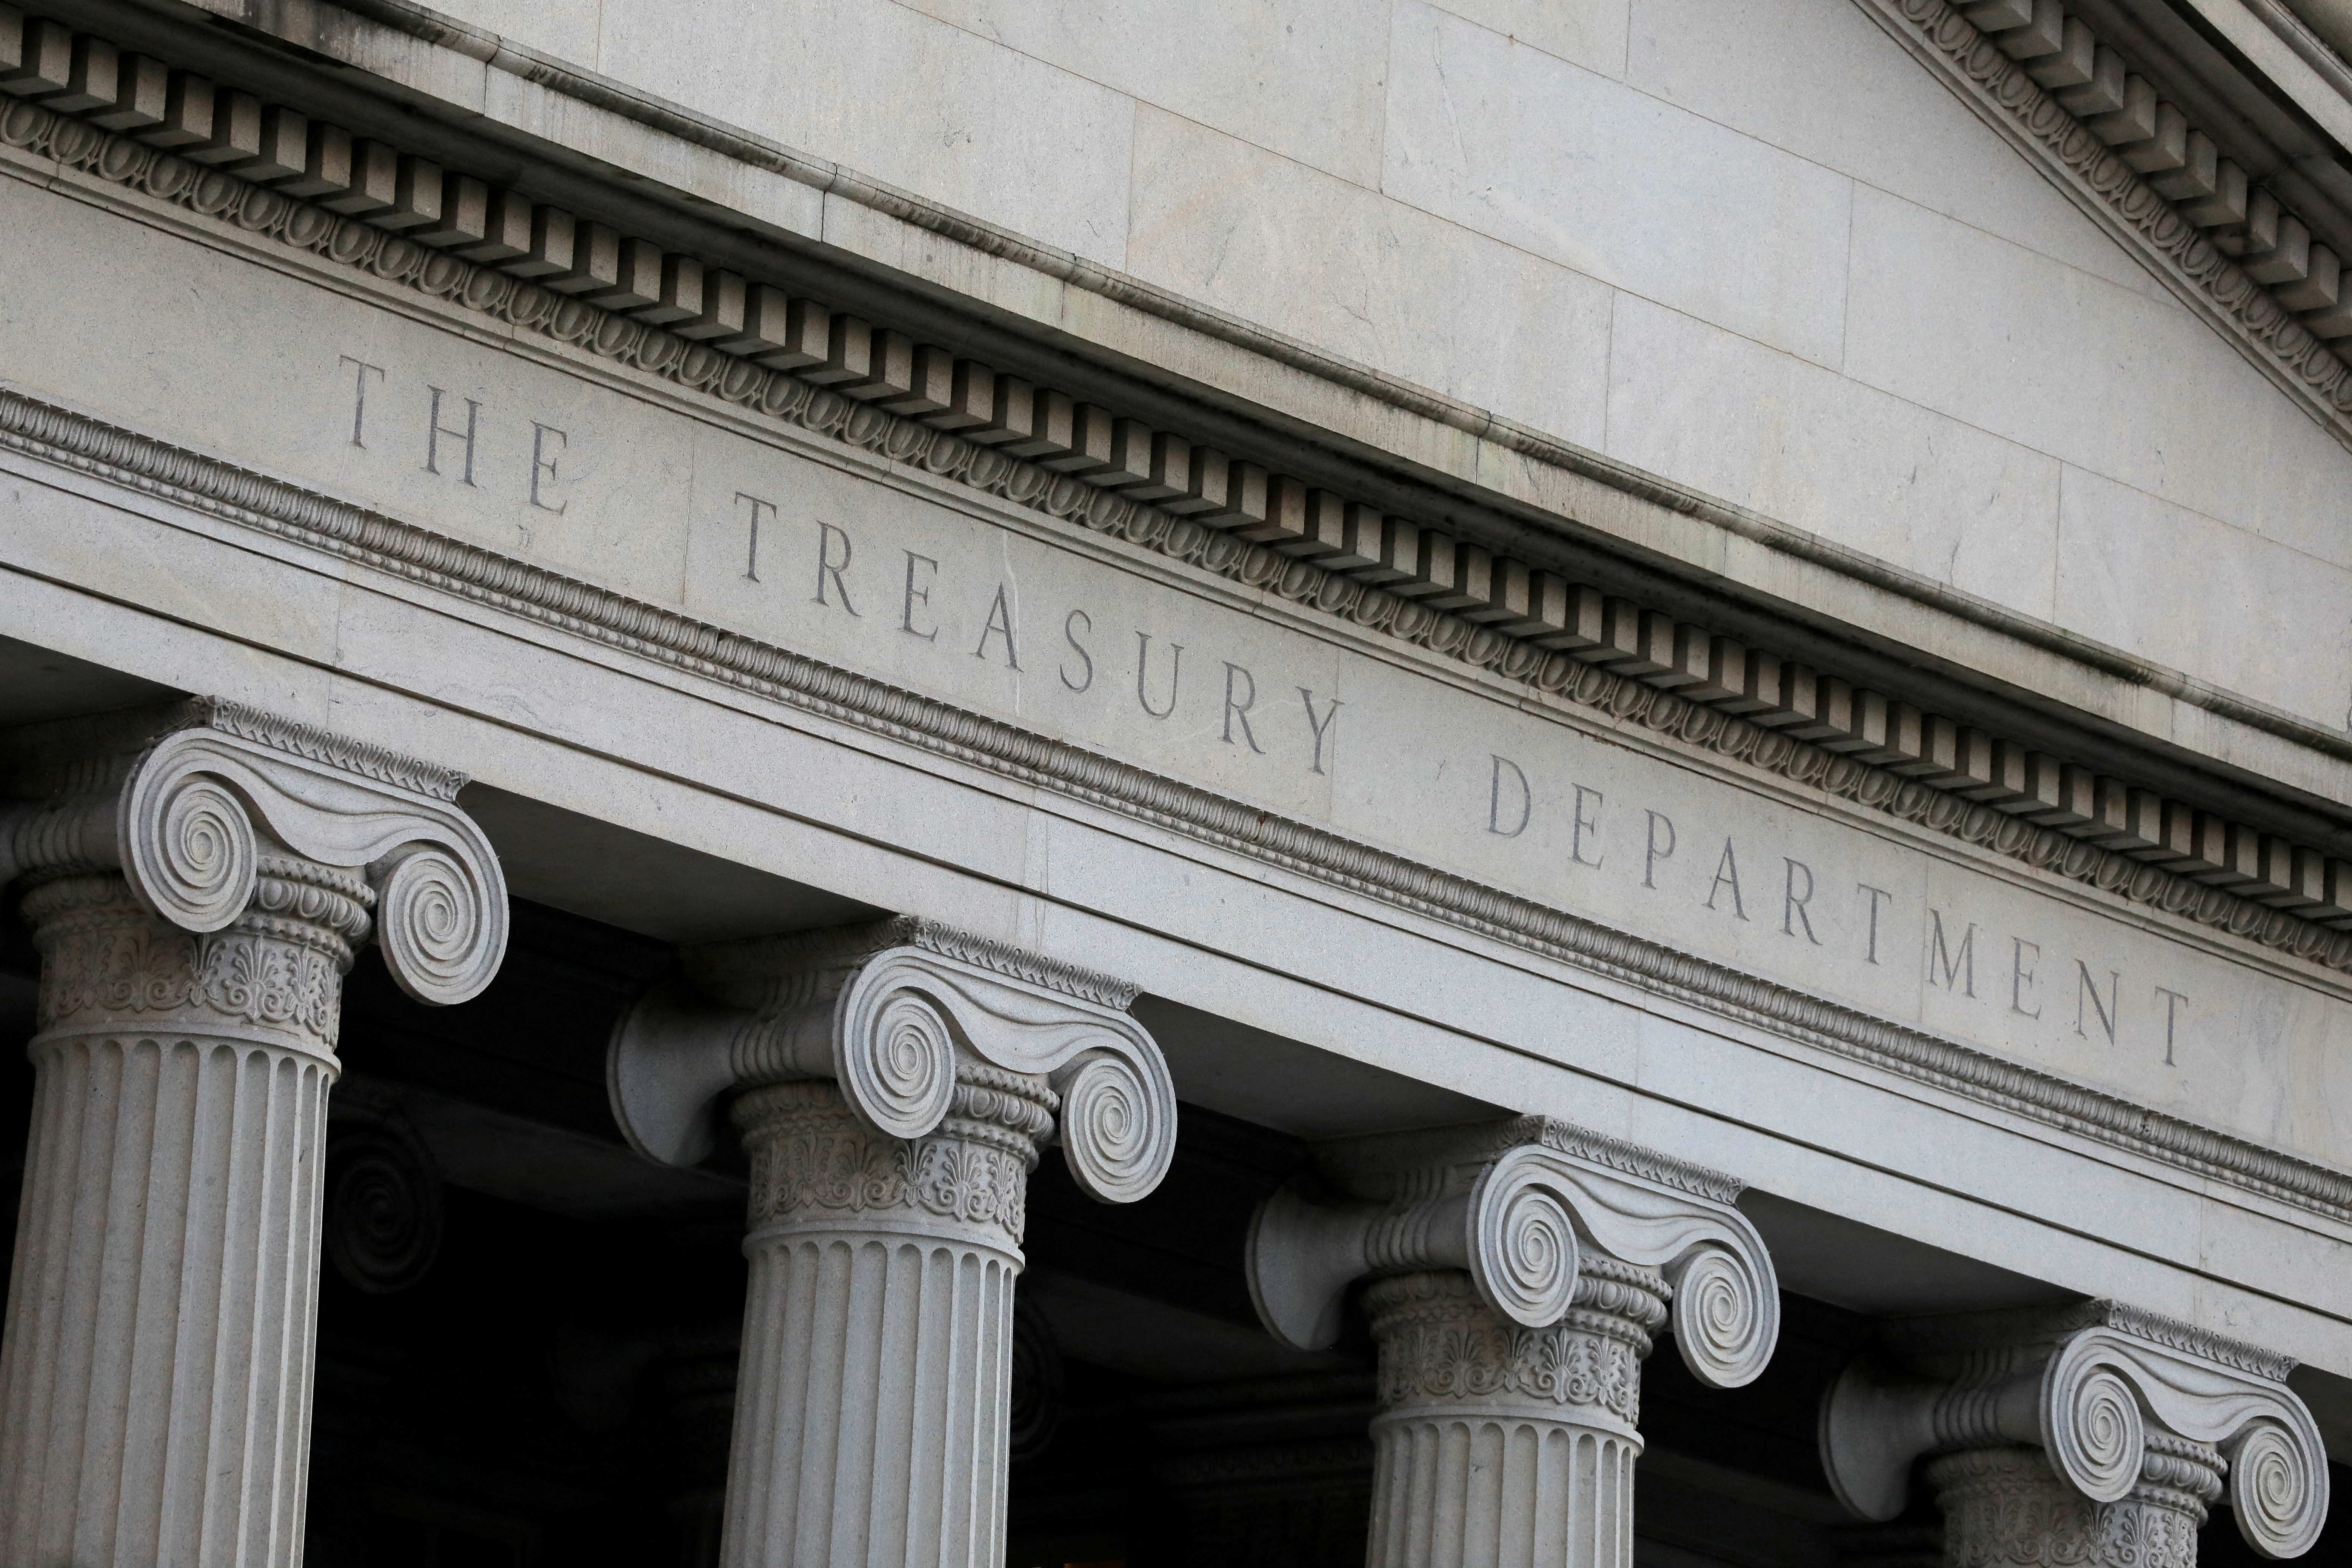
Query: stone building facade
[{"x": 972, "y": 782}]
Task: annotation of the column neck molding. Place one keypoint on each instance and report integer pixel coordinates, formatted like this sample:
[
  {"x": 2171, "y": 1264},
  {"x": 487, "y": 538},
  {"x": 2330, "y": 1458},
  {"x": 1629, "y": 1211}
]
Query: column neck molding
[
  {"x": 1545, "y": 1218},
  {"x": 915, "y": 1024},
  {"x": 219, "y": 817},
  {"x": 1442, "y": 1347},
  {"x": 2003, "y": 1509},
  {"x": 273, "y": 976},
  {"x": 2112, "y": 1396},
  {"x": 816, "y": 1169}
]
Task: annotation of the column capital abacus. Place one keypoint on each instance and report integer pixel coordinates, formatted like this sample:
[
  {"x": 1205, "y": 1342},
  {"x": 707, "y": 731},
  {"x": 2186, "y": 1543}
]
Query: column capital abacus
[
  {"x": 903, "y": 1016},
  {"x": 1521, "y": 1204},
  {"x": 2118, "y": 1402}
]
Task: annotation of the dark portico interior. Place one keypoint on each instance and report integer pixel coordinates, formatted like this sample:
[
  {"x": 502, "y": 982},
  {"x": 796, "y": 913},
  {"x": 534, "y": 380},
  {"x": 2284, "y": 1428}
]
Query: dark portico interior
[{"x": 527, "y": 1334}]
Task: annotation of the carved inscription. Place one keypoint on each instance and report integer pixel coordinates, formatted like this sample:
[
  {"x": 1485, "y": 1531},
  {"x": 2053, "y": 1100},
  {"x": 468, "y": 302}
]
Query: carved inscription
[
  {"x": 1725, "y": 871},
  {"x": 519, "y": 454},
  {"x": 1244, "y": 695},
  {"x": 962, "y": 608}
]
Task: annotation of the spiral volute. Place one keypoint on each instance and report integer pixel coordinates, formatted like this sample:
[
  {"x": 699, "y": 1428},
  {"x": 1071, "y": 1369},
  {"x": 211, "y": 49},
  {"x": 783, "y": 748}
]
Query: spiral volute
[
  {"x": 189, "y": 851},
  {"x": 1523, "y": 1253},
  {"x": 442, "y": 929},
  {"x": 2092, "y": 1428},
  {"x": 383, "y": 1209},
  {"x": 2278, "y": 1489},
  {"x": 1119, "y": 1125},
  {"x": 1726, "y": 1320},
  {"x": 895, "y": 1059}
]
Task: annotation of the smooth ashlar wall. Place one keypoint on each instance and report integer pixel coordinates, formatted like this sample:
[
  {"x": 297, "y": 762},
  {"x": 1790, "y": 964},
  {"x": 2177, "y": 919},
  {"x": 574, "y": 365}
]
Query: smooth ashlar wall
[{"x": 1749, "y": 245}]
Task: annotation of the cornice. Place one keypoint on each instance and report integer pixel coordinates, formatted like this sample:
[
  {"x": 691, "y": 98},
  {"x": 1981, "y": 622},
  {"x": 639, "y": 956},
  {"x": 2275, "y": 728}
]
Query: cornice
[
  {"x": 337, "y": 29},
  {"x": 285, "y": 510},
  {"x": 2089, "y": 169},
  {"x": 2169, "y": 854}
]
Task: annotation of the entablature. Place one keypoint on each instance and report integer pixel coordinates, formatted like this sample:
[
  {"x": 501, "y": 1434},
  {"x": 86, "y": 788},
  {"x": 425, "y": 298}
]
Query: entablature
[{"x": 1509, "y": 524}]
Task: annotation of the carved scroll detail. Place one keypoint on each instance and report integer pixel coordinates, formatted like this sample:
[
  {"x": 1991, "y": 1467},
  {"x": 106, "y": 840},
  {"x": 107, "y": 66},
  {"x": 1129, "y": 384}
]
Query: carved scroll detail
[
  {"x": 212, "y": 811},
  {"x": 2108, "y": 1394},
  {"x": 1526, "y": 1217},
  {"x": 906, "y": 1027}
]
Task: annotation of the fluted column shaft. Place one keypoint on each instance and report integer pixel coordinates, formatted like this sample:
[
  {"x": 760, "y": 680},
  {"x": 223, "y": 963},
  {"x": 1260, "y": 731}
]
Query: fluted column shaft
[
  {"x": 874, "y": 1396},
  {"x": 1500, "y": 1445},
  {"x": 155, "y": 1371},
  {"x": 2006, "y": 1507}
]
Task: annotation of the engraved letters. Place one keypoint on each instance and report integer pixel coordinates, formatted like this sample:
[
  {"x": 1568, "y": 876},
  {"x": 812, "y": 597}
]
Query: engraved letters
[
  {"x": 1872, "y": 927},
  {"x": 464, "y": 439}
]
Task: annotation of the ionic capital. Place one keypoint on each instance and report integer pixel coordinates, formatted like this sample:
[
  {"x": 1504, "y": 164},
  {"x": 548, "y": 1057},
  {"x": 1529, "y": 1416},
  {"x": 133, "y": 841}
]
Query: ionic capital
[
  {"x": 2113, "y": 1397},
  {"x": 889, "y": 1012},
  {"x": 1521, "y": 1205},
  {"x": 201, "y": 804}
]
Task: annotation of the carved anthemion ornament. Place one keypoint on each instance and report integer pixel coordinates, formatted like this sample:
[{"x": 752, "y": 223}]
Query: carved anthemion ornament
[
  {"x": 893, "y": 1085},
  {"x": 198, "y": 880},
  {"x": 1520, "y": 1272},
  {"x": 2096, "y": 1434}
]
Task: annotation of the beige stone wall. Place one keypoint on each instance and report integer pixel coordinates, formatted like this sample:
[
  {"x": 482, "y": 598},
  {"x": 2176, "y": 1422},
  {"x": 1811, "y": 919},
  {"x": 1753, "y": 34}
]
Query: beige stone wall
[{"x": 1751, "y": 247}]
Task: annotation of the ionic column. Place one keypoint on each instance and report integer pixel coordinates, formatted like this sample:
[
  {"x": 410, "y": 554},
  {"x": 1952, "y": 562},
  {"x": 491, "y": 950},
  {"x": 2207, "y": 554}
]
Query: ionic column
[
  {"x": 197, "y": 881},
  {"x": 2096, "y": 1434},
  {"x": 1518, "y": 1271},
  {"x": 892, "y": 1084}
]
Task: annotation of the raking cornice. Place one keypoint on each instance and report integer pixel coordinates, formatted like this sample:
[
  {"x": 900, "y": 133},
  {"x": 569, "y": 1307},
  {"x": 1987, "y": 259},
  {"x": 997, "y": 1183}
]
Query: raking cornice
[{"x": 2088, "y": 170}]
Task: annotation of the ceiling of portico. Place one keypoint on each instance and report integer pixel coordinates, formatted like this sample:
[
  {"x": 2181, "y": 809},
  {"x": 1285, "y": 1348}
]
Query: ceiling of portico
[{"x": 36, "y": 684}]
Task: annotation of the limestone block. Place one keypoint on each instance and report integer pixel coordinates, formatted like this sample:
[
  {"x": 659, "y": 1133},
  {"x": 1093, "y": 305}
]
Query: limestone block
[
  {"x": 1616, "y": 184},
  {"x": 2118, "y": 554},
  {"x": 960, "y": 111},
  {"x": 1826, "y": 83},
  {"x": 1771, "y": 431},
  {"x": 1302, "y": 78},
  {"x": 1372, "y": 278},
  {"x": 2173, "y": 411}
]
